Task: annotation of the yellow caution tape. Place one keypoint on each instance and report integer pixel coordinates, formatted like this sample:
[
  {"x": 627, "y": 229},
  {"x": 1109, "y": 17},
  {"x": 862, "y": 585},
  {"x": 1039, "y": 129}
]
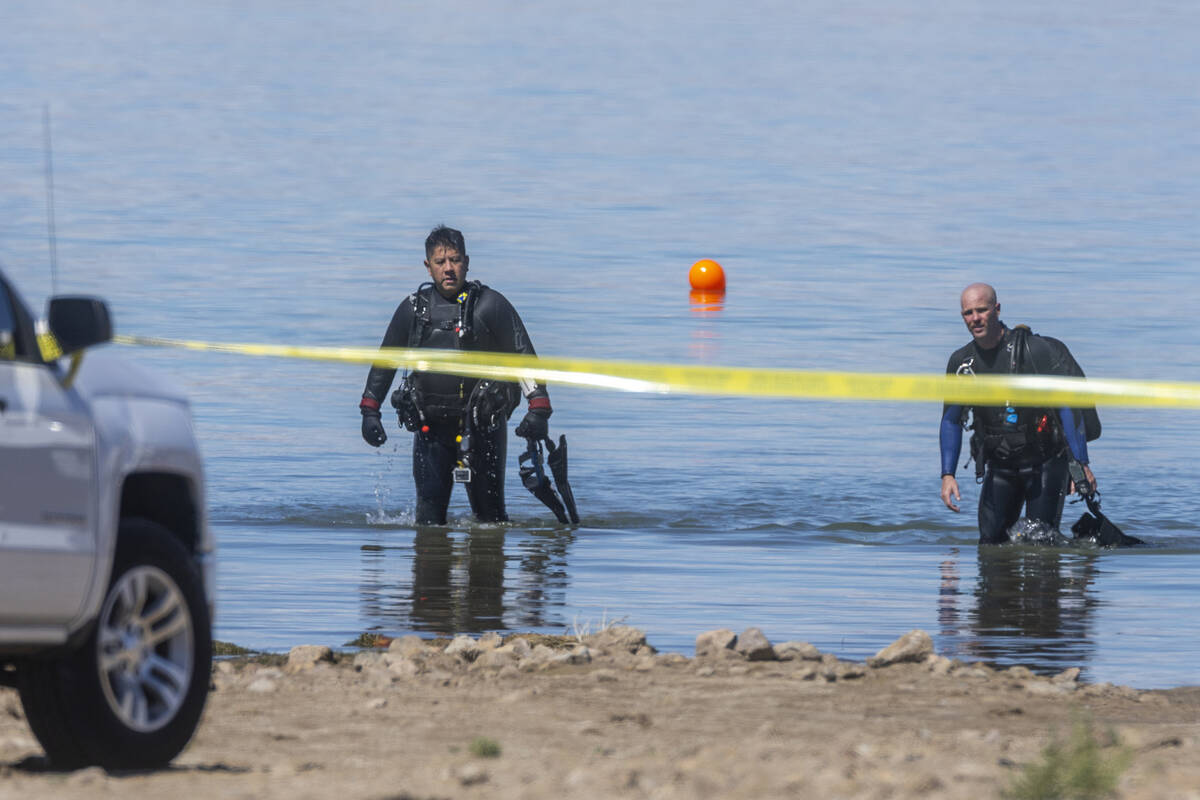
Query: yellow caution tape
[{"x": 1021, "y": 390}]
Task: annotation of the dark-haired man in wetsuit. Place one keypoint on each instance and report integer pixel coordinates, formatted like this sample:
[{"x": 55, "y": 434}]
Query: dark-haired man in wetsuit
[
  {"x": 458, "y": 422},
  {"x": 1025, "y": 452}
]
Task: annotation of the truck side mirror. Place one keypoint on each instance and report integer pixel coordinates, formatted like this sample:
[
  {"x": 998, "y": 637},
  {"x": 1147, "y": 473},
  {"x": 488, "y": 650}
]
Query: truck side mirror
[{"x": 79, "y": 322}]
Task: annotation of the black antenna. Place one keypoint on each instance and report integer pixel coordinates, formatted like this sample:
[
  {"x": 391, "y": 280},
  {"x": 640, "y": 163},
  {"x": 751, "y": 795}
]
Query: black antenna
[{"x": 50, "y": 234}]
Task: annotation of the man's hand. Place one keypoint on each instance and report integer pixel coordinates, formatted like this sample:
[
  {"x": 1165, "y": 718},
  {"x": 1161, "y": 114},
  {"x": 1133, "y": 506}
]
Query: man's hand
[
  {"x": 372, "y": 429},
  {"x": 950, "y": 490},
  {"x": 1089, "y": 477},
  {"x": 535, "y": 425}
]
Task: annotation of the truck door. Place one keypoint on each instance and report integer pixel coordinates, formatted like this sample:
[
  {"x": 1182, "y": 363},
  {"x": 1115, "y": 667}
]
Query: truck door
[{"x": 47, "y": 482}]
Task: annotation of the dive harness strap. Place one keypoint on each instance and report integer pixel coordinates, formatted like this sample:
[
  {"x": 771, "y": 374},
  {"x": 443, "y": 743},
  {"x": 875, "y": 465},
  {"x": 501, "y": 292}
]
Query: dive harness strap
[
  {"x": 415, "y": 410},
  {"x": 533, "y": 476},
  {"x": 1017, "y": 449}
]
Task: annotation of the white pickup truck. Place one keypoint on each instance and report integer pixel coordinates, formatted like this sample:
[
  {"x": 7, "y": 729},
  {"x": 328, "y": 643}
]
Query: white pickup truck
[{"x": 106, "y": 574}]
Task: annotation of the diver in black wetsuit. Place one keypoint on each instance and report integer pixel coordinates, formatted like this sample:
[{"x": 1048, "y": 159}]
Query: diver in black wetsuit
[
  {"x": 459, "y": 422},
  {"x": 1025, "y": 453}
]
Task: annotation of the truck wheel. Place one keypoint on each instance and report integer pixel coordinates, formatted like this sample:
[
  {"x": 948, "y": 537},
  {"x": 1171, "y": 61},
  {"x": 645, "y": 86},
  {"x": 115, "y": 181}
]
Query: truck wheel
[{"x": 131, "y": 696}]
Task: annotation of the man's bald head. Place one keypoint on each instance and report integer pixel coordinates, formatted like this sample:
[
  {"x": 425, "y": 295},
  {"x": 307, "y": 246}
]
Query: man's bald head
[
  {"x": 981, "y": 314},
  {"x": 989, "y": 294}
]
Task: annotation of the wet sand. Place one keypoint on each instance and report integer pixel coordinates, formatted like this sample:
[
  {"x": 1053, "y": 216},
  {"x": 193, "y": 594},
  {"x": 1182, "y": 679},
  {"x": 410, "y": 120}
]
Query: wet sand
[{"x": 606, "y": 717}]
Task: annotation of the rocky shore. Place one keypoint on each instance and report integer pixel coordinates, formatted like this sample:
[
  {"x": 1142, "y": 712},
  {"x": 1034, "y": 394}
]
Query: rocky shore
[{"x": 606, "y": 716}]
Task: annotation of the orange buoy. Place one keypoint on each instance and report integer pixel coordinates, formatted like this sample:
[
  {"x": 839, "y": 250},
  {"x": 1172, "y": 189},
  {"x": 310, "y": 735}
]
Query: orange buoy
[{"x": 706, "y": 275}]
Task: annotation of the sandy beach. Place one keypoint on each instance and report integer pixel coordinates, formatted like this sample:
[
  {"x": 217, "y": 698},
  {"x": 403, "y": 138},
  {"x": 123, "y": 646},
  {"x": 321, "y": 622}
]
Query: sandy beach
[{"x": 605, "y": 716}]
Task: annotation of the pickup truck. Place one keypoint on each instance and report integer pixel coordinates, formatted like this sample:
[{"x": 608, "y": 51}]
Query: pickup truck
[{"x": 106, "y": 559}]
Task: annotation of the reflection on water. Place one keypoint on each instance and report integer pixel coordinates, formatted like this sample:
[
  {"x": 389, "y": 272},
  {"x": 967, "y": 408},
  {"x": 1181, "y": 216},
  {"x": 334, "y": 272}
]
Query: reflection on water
[
  {"x": 465, "y": 582},
  {"x": 1031, "y": 606}
]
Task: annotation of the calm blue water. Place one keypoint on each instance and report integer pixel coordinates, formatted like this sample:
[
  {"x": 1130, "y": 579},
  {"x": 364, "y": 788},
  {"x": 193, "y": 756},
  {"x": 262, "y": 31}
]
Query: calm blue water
[{"x": 267, "y": 172}]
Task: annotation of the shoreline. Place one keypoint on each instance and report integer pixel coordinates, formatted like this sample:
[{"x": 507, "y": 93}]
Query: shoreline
[{"x": 605, "y": 715}]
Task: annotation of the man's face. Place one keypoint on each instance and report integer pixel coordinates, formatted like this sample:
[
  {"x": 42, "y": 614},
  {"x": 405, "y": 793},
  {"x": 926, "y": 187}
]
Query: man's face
[
  {"x": 448, "y": 269},
  {"x": 981, "y": 314}
]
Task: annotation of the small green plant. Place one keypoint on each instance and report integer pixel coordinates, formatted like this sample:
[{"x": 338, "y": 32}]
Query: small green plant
[
  {"x": 369, "y": 640},
  {"x": 483, "y": 747},
  {"x": 1079, "y": 769}
]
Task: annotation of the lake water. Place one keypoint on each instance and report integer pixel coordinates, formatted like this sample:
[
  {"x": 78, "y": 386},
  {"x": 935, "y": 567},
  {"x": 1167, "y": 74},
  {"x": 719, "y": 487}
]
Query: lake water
[{"x": 267, "y": 172}]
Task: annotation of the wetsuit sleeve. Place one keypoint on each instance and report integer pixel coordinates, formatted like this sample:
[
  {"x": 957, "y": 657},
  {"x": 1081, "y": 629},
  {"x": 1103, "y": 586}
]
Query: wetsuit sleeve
[
  {"x": 379, "y": 379},
  {"x": 950, "y": 438},
  {"x": 1072, "y": 426},
  {"x": 950, "y": 433}
]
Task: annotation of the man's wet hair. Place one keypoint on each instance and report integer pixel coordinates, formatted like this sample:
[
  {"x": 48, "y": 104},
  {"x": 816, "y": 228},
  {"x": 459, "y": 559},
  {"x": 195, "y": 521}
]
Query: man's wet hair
[{"x": 441, "y": 236}]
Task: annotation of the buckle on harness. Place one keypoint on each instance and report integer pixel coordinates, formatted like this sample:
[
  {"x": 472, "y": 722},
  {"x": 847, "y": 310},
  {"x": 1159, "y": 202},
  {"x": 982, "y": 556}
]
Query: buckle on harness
[{"x": 462, "y": 474}]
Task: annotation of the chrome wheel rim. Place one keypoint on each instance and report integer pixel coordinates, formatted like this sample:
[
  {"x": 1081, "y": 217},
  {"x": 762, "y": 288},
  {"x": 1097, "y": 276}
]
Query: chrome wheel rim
[{"x": 144, "y": 648}]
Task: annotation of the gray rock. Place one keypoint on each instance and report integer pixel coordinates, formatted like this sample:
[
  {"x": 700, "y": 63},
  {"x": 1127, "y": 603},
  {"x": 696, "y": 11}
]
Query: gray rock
[
  {"x": 88, "y": 775},
  {"x": 12, "y": 708},
  {"x": 754, "y": 646},
  {"x": 518, "y": 647},
  {"x": 973, "y": 671},
  {"x": 711, "y": 643},
  {"x": 938, "y": 665},
  {"x": 495, "y": 659},
  {"x": 618, "y": 638},
  {"x": 848, "y": 670},
  {"x": 403, "y": 667},
  {"x": 407, "y": 646},
  {"x": 490, "y": 641},
  {"x": 577, "y": 655},
  {"x": 805, "y": 672},
  {"x": 470, "y": 774},
  {"x": 306, "y": 656},
  {"x": 464, "y": 647},
  {"x": 797, "y": 651},
  {"x": 912, "y": 646},
  {"x": 542, "y": 654},
  {"x": 1070, "y": 675}
]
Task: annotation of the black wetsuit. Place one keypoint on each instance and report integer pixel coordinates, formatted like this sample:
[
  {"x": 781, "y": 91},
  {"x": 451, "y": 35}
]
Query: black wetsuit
[
  {"x": 494, "y": 326},
  {"x": 1024, "y": 451}
]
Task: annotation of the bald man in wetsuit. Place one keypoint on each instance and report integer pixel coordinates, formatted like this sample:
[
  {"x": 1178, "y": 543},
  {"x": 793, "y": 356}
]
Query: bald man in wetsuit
[
  {"x": 458, "y": 422},
  {"x": 1025, "y": 452}
]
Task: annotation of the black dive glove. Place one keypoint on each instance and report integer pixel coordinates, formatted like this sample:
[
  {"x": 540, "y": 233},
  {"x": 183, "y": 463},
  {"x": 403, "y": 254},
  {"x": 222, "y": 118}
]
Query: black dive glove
[
  {"x": 535, "y": 425},
  {"x": 372, "y": 428}
]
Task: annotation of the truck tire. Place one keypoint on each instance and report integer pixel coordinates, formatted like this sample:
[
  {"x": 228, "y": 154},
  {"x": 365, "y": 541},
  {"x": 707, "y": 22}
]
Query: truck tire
[{"x": 132, "y": 695}]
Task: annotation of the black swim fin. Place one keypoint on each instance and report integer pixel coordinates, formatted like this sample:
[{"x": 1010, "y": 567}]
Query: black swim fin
[
  {"x": 534, "y": 477},
  {"x": 1099, "y": 528},
  {"x": 557, "y": 459}
]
